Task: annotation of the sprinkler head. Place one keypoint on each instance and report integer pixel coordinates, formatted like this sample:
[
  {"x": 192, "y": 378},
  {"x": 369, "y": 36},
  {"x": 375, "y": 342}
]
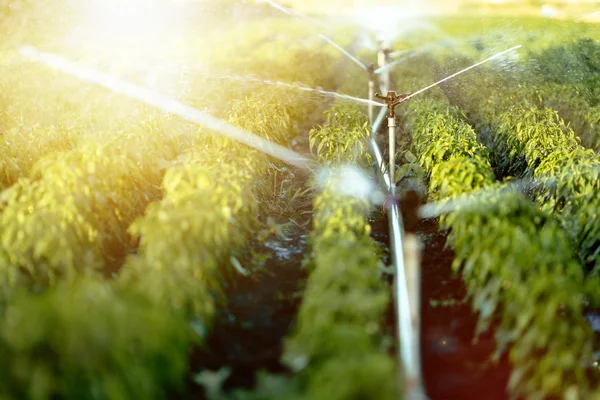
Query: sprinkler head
[{"x": 392, "y": 100}]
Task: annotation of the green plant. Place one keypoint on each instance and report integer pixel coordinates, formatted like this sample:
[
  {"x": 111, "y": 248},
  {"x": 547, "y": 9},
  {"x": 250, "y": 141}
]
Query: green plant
[
  {"x": 337, "y": 336},
  {"x": 86, "y": 340},
  {"x": 344, "y": 137},
  {"x": 209, "y": 208},
  {"x": 516, "y": 261}
]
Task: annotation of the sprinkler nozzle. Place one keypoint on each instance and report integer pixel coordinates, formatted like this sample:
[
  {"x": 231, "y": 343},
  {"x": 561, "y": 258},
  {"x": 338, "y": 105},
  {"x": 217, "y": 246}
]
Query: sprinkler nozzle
[{"x": 392, "y": 100}]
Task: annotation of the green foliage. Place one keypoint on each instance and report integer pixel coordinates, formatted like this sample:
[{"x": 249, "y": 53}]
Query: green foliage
[
  {"x": 447, "y": 149},
  {"x": 525, "y": 138},
  {"x": 339, "y": 216},
  {"x": 275, "y": 387},
  {"x": 76, "y": 211},
  {"x": 337, "y": 346},
  {"x": 77, "y": 171},
  {"x": 576, "y": 62},
  {"x": 535, "y": 142},
  {"x": 20, "y": 150},
  {"x": 265, "y": 115},
  {"x": 516, "y": 261},
  {"x": 344, "y": 137},
  {"x": 528, "y": 139},
  {"x": 572, "y": 103},
  {"x": 339, "y": 319},
  {"x": 208, "y": 210},
  {"x": 355, "y": 376},
  {"x": 87, "y": 341}
]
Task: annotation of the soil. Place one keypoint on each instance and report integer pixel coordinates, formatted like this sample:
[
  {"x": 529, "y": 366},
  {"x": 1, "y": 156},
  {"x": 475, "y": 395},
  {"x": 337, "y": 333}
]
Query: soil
[{"x": 249, "y": 329}]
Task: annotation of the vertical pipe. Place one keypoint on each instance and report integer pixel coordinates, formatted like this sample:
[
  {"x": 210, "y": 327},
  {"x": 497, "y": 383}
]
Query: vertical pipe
[
  {"x": 381, "y": 172},
  {"x": 371, "y": 96},
  {"x": 412, "y": 262},
  {"x": 392, "y": 155},
  {"x": 407, "y": 290},
  {"x": 388, "y": 72},
  {"x": 382, "y": 60}
]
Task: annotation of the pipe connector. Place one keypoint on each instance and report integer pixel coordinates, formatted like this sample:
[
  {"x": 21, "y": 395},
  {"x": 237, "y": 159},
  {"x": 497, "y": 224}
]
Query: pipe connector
[
  {"x": 392, "y": 100},
  {"x": 371, "y": 71}
]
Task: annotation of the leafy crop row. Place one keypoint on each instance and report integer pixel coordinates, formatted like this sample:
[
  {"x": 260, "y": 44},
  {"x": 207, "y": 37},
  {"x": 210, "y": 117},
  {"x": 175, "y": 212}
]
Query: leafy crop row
[
  {"x": 342, "y": 139},
  {"x": 572, "y": 63},
  {"x": 75, "y": 210},
  {"x": 529, "y": 140},
  {"x": 337, "y": 345},
  {"x": 210, "y": 205},
  {"x": 569, "y": 175},
  {"x": 66, "y": 114},
  {"x": 87, "y": 340},
  {"x": 515, "y": 260},
  {"x": 68, "y": 211},
  {"x": 570, "y": 104}
]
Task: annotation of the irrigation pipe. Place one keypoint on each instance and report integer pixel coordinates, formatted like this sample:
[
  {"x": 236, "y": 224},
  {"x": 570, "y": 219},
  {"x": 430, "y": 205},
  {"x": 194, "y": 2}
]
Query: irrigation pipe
[
  {"x": 166, "y": 104},
  {"x": 406, "y": 263}
]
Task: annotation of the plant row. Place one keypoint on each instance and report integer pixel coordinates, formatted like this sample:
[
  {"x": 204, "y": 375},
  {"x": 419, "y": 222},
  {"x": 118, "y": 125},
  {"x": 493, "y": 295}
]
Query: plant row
[
  {"x": 210, "y": 205},
  {"x": 515, "y": 260},
  {"x": 570, "y": 104},
  {"x": 530, "y": 141},
  {"x": 66, "y": 219},
  {"x": 187, "y": 241},
  {"x": 337, "y": 347},
  {"x": 72, "y": 215}
]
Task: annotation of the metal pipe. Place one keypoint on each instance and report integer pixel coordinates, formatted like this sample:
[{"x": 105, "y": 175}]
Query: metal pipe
[
  {"x": 376, "y": 152},
  {"x": 408, "y": 341},
  {"x": 371, "y": 96},
  {"x": 407, "y": 292},
  {"x": 392, "y": 149},
  {"x": 412, "y": 264},
  {"x": 392, "y": 100},
  {"x": 383, "y": 57}
]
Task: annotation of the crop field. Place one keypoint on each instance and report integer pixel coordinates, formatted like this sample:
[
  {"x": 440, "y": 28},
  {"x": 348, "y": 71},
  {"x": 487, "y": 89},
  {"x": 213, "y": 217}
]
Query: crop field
[{"x": 145, "y": 254}]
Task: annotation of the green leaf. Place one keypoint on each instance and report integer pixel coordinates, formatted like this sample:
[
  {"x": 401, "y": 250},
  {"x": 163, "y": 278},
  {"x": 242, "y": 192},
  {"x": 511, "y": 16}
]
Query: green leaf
[
  {"x": 410, "y": 157},
  {"x": 402, "y": 172}
]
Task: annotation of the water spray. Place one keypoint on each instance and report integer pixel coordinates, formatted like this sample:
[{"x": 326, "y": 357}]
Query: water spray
[
  {"x": 392, "y": 100},
  {"x": 369, "y": 69},
  {"x": 297, "y": 14},
  {"x": 588, "y": 16},
  {"x": 399, "y": 53},
  {"x": 383, "y": 58},
  {"x": 167, "y": 104},
  {"x": 188, "y": 113},
  {"x": 296, "y": 86},
  {"x": 461, "y": 71},
  {"x": 346, "y": 53}
]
